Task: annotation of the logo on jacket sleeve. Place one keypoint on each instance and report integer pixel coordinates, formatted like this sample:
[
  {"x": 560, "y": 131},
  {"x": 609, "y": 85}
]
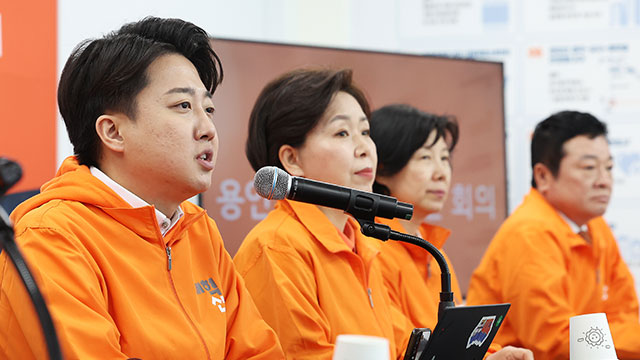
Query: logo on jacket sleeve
[
  {"x": 210, "y": 286},
  {"x": 481, "y": 331}
]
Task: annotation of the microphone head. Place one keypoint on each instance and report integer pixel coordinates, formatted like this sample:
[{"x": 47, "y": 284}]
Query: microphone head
[{"x": 272, "y": 183}]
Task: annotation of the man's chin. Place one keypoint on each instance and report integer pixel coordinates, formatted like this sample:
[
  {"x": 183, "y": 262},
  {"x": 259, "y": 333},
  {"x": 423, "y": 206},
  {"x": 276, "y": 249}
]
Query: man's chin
[
  {"x": 197, "y": 190},
  {"x": 598, "y": 211}
]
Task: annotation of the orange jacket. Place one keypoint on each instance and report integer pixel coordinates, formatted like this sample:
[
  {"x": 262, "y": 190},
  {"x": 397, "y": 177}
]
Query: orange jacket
[
  {"x": 549, "y": 274},
  {"x": 413, "y": 277},
  {"x": 103, "y": 268},
  {"x": 310, "y": 287}
]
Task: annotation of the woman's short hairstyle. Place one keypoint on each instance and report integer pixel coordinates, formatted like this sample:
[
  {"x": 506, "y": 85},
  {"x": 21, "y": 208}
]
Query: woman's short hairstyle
[
  {"x": 289, "y": 107},
  {"x": 399, "y": 130}
]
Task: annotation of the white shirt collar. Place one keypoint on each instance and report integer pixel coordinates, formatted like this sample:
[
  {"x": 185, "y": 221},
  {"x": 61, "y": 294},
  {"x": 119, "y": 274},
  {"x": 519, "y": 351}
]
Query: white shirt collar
[
  {"x": 165, "y": 223},
  {"x": 576, "y": 229}
]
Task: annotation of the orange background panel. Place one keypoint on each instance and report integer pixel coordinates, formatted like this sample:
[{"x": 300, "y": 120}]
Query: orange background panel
[{"x": 28, "y": 88}]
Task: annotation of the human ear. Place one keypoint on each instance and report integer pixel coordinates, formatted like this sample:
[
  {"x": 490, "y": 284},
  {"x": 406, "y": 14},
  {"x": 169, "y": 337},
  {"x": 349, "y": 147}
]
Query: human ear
[
  {"x": 108, "y": 128},
  {"x": 290, "y": 159},
  {"x": 543, "y": 176}
]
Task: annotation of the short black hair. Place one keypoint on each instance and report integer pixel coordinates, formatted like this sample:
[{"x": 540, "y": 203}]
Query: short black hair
[
  {"x": 399, "y": 130},
  {"x": 550, "y": 135},
  {"x": 290, "y": 106},
  {"x": 107, "y": 74}
]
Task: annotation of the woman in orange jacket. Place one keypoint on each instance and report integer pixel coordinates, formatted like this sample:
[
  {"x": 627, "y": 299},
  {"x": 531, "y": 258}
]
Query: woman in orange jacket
[
  {"x": 414, "y": 152},
  {"x": 312, "y": 275}
]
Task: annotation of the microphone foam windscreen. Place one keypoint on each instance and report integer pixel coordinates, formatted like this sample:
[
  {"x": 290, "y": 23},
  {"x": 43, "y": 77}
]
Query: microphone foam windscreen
[{"x": 271, "y": 183}]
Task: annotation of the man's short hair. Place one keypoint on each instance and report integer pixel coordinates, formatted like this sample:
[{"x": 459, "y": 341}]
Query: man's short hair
[
  {"x": 106, "y": 75},
  {"x": 547, "y": 145}
]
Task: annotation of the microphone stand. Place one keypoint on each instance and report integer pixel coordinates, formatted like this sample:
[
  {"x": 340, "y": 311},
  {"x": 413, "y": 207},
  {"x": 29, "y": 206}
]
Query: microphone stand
[
  {"x": 384, "y": 233},
  {"x": 7, "y": 242}
]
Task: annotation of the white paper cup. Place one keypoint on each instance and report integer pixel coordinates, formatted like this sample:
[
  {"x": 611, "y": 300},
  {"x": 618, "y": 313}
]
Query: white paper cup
[
  {"x": 361, "y": 347},
  {"x": 590, "y": 338}
]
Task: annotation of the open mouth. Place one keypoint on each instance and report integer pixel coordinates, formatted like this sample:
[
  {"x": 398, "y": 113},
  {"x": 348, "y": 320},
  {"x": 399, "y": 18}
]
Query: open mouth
[
  {"x": 205, "y": 160},
  {"x": 206, "y": 156}
]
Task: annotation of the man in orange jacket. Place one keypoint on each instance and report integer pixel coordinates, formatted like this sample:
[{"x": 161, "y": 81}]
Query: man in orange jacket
[
  {"x": 130, "y": 269},
  {"x": 555, "y": 257}
]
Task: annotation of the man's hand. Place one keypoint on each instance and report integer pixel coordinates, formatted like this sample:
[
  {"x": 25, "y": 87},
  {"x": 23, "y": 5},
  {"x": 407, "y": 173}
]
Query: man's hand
[{"x": 511, "y": 353}]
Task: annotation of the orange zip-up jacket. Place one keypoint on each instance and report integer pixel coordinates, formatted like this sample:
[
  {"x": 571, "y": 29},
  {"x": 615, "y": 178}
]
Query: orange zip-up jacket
[
  {"x": 413, "y": 277},
  {"x": 113, "y": 290},
  {"x": 310, "y": 287},
  {"x": 549, "y": 273}
]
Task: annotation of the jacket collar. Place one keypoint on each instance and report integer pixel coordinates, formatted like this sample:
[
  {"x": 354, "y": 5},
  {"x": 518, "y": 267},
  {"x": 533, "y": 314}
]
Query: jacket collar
[
  {"x": 546, "y": 213},
  {"x": 325, "y": 233},
  {"x": 434, "y": 234},
  {"x": 74, "y": 182},
  {"x": 143, "y": 222}
]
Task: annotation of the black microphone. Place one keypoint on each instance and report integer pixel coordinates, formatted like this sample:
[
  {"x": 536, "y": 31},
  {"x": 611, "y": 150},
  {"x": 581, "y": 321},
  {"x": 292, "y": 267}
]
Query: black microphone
[
  {"x": 10, "y": 173},
  {"x": 274, "y": 183}
]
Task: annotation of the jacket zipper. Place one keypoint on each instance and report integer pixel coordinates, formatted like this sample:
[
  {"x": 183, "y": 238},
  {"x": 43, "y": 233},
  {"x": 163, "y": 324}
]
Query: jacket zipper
[
  {"x": 175, "y": 292},
  {"x": 365, "y": 277},
  {"x": 168, "y": 250},
  {"x": 364, "y": 271}
]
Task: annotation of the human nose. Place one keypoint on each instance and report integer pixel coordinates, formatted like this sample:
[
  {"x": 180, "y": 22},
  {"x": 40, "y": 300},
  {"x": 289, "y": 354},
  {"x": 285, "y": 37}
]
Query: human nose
[
  {"x": 205, "y": 129},
  {"x": 605, "y": 177},
  {"x": 364, "y": 146},
  {"x": 439, "y": 170}
]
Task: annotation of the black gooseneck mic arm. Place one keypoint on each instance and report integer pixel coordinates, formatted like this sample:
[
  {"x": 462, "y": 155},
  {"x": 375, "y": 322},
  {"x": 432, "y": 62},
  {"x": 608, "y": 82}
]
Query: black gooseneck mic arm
[
  {"x": 384, "y": 233},
  {"x": 7, "y": 242}
]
